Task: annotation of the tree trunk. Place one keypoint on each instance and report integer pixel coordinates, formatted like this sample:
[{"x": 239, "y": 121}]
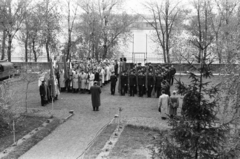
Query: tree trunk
[
  {"x": 47, "y": 50},
  {"x": 96, "y": 52},
  {"x": 9, "y": 47},
  {"x": 69, "y": 47},
  {"x": 206, "y": 30},
  {"x": 26, "y": 97},
  {"x": 34, "y": 50},
  {"x": 3, "y": 44},
  {"x": 164, "y": 55},
  {"x": 199, "y": 37},
  {"x": 167, "y": 31},
  {"x": 104, "y": 50},
  {"x": 217, "y": 49},
  {"x": 26, "y": 47}
]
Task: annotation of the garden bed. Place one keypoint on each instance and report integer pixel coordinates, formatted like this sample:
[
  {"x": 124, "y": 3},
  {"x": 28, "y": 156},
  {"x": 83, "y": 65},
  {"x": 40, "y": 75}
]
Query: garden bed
[
  {"x": 134, "y": 143},
  {"x": 100, "y": 141},
  {"x": 24, "y": 125}
]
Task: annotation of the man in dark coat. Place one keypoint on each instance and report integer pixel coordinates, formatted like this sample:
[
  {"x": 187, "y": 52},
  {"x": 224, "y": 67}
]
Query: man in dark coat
[
  {"x": 124, "y": 83},
  {"x": 116, "y": 68},
  {"x": 141, "y": 83},
  {"x": 158, "y": 82},
  {"x": 172, "y": 73},
  {"x": 42, "y": 93},
  {"x": 132, "y": 83},
  {"x": 95, "y": 94},
  {"x": 150, "y": 84},
  {"x": 96, "y": 76},
  {"x": 113, "y": 79}
]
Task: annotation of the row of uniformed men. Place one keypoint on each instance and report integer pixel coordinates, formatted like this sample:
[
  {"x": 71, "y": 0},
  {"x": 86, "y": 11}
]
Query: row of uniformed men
[{"x": 149, "y": 80}]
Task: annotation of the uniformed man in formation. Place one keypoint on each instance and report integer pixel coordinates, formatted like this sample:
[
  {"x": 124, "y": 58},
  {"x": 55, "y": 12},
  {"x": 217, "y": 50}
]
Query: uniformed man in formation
[{"x": 147, "y": 80}]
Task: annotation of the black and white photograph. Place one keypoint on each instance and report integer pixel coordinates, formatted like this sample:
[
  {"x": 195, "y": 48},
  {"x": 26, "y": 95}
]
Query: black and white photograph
[{"x": 119, "y": 79}]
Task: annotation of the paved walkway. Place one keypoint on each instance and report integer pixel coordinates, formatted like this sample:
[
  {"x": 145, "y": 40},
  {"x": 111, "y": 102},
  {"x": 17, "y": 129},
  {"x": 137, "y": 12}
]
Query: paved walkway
[{"x": 71, "y": 138}]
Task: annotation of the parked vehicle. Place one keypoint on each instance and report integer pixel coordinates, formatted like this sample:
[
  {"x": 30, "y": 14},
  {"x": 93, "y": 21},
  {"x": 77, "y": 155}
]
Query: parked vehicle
[{"x": 7, "y": 70}]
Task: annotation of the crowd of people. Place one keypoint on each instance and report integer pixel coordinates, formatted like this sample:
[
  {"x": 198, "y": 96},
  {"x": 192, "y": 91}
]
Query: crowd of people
[
  {"x": 48, "y": 88},
  {"x": 150, "y": 80},
  {"x": 83, "y": 74}
]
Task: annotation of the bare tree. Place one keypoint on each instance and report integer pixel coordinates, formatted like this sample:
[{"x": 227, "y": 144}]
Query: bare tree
[
  {"x": 13, "y": 14},
  {"x": 202, "y": 36},
  {"x": 105, "y": 26},
  {"x": 71, "y": 17},
  {"x": 164, "y": 17},
  {"x": 50, "y": 25},
  {"x": 226, "y": 33}
]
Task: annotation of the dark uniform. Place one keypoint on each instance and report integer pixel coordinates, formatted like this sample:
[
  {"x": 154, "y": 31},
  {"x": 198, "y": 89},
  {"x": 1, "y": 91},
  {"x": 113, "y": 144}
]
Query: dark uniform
[
  {"x": 132, "y": 84},
  {"x": 158, "y": 82},
  {"x": 113, "y": 79},
  {"x": 141, "y": 84},
  {"x": 150, "y": 84},
  {"x": 116, "y": 69},
  {"x": 172, "y": 73},
  {"x": 124, "y": 83}
]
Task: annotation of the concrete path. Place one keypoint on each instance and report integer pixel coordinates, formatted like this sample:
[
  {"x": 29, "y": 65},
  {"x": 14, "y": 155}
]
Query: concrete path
[{"x": 71, "y": 138}]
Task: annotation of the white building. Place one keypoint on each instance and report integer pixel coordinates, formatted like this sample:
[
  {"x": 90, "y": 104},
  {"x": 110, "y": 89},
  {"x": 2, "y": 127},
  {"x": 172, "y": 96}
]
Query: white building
[{"x": 141, "y": 45}]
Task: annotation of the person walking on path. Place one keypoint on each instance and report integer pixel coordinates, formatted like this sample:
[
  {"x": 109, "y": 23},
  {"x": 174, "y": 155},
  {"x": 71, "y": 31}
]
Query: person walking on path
[
  {"x": 95, "y": 95},
  {"x": 163, "y": 105},
  {"x": 174, "y": 104}
]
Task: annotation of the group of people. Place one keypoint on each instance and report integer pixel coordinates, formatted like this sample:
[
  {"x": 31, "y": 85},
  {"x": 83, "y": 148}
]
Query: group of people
[
  {"x": 89, "y": 76},
  {"x": 167, "y": 105},
  {"x": 82, "y": 76},
  {"x": 48, "y": 88},
  {"x": 147, "y": 80}
]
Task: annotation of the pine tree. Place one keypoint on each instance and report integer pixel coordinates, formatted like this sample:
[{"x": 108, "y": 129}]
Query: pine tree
[{"x": 197, "y": 134}]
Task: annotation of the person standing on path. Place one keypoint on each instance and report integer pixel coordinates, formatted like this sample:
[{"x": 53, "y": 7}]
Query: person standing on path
[
  {"x": 75, "y": 82},
  {"x": 163, "y": 105},
  {"x": 174, "y": 104},
  {"x": 116, "y": 68},
  {"x": 113, "y": 79},
  {"x": 42, "y": 93},
  {"x": 132, "y": 83},
  {"x": 95, "y": 95}
]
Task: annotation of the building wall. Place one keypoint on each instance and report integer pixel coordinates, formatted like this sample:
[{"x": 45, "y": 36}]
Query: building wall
[{"x": 141, "y": 46}]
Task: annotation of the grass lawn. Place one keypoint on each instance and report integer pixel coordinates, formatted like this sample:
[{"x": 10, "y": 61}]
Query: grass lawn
[
  {"x": 99, "y": 143},
  {"x": 24, "y": 125},
  {"x": 133, "y": 143}
]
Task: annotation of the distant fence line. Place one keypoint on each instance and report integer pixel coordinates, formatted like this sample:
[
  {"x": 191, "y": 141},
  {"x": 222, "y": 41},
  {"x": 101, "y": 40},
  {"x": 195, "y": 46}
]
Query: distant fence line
[{"x": 179, "y": 67}]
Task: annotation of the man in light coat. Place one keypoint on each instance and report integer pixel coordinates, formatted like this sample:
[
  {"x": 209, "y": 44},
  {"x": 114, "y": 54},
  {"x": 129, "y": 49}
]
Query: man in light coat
[
  {"x": 75, "y": 82},
  {"x": 83, "y": 78},
  {"x": 163, "y": 105},
  {"x": 91, "y": 80}
]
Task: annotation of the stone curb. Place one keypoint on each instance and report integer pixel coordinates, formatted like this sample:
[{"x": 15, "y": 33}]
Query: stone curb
[
  {"x": 111, "y": 143},
  {"x": 6, "y": 152},
  {"x": 82, "y": 156}
]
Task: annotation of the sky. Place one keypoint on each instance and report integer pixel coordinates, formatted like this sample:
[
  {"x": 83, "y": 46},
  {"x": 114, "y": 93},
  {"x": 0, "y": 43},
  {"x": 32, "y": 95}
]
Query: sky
[{"x": 133, "y": 6}]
